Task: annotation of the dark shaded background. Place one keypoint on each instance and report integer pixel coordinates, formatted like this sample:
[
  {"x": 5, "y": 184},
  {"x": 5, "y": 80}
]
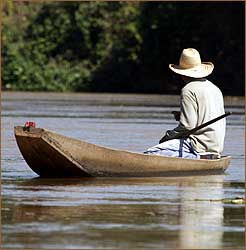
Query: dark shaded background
[{"x": 119, "y": 46}]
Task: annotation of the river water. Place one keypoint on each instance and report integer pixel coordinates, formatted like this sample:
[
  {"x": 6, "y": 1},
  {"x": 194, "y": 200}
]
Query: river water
[{"x": 116, "y": 213}]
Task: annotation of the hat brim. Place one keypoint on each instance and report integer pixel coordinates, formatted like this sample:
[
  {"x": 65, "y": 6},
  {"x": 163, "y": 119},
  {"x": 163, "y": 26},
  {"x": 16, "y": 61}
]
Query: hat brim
[{"x": 203, "y": 70}]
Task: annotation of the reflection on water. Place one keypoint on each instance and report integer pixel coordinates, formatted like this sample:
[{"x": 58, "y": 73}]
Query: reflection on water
[
  {"x": 202, "y": 224},
  {"x": 183, "y": 212},
  {"x": 171, "y": 212}
]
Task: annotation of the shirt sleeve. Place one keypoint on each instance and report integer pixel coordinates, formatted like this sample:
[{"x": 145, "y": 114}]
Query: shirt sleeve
[{"x": 188, "y": 114}]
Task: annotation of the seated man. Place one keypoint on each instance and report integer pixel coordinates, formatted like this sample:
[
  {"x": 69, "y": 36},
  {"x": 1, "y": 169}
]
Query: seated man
[{"x": 200, "y": 102}]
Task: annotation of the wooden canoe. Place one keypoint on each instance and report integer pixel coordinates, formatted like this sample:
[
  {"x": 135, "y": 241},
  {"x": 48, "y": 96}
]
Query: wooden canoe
[{"x": 53, "y": 155}]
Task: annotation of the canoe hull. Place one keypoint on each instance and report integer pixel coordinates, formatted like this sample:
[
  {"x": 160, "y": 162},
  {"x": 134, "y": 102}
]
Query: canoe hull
[{"x": 52, "y": 155}]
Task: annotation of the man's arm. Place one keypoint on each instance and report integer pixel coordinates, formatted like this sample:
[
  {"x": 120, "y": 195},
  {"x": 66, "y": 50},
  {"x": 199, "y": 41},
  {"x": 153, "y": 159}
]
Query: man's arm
[{"x": 188, "y": 116}]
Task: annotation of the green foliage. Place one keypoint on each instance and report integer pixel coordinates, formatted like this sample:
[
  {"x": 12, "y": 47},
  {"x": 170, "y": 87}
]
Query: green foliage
[
  {"x": 8, "y": 7},
  {"x": 118, "y": 46},
  {"x": 66, "y": 45},
  {"x": 53, "y": 76}
]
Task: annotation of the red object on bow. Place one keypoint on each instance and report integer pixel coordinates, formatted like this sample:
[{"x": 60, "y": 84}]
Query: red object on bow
[{"x": 30, "y": 124}]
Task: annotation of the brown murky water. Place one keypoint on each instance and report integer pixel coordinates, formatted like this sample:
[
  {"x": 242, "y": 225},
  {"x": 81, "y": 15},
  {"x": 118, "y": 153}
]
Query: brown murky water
[{"x": 96, "y": 213}]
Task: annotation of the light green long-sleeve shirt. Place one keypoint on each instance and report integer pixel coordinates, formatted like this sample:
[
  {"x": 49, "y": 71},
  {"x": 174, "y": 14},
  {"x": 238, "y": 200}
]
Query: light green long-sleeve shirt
[{"x": 200, "y": 102}]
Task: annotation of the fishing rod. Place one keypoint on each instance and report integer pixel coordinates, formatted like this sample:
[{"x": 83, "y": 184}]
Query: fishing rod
[{"x": 192, "y": 131}]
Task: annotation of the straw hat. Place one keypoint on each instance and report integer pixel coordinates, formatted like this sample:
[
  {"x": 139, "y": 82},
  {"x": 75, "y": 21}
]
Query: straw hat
[{"x": 190, "y": 64}]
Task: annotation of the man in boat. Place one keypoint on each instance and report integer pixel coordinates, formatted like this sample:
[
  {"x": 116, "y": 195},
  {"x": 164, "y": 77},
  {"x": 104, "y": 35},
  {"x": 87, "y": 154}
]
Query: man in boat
[{"x": 200, "y": 102}]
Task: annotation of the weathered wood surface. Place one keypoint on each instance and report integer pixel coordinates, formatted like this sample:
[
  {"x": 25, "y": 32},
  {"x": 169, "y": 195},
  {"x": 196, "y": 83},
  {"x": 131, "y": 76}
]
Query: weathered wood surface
[{"x": 52, "y": 155}]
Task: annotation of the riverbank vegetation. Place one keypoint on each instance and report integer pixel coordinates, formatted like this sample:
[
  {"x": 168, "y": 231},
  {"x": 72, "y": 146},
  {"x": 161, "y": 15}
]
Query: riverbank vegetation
[{"x": 118, "y": 46}]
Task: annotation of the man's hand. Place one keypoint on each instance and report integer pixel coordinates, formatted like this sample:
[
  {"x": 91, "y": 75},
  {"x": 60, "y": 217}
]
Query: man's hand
[
  {"x": 170, "y": 133},
  {"x": 176, "y": 115}
]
